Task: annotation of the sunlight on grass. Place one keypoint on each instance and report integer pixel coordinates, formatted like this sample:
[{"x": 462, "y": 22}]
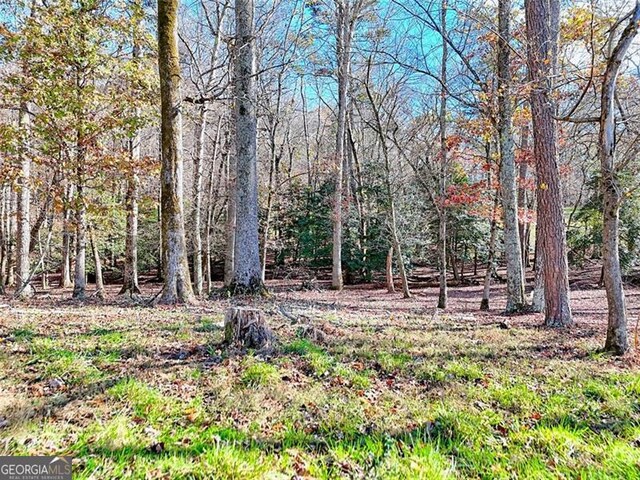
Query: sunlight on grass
[
  {"x": 428, "y": 405},
  {"x": 257, "y": 373}
]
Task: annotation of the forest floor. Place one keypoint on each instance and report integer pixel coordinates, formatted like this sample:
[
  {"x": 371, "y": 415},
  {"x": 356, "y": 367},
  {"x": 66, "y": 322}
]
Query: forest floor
[{"x": 394, "y": 390}]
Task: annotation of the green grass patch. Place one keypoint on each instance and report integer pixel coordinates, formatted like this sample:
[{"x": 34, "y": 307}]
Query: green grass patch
[
  {"x": 380, "y": 401},
  {"x": 258, "y": 373}
]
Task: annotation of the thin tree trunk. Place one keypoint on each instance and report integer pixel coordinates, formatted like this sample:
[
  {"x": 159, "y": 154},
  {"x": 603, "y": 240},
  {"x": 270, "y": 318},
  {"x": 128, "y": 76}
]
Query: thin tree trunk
[
  {"x": 273, "y": 165},
  {"x": 230, "y": 228},
  {"x": 198, "y": 168},
  {"x": 212, "y": 200},
  {"x": 454, "y": 264},
  {"x": 43, "y": 215},
  {"x": 98, "y": 265},
  {"x": 67, "y": 234},
  {"x": 10, "y": 276},
  {"x": 46, "y": 255},
  {"x": 130, "y": 276},
  {"x": 23, "y": 266},
  {"x": 512, "y": 247},
  {"x": 389, "y": 271},
  {"x": 3, "y": 237},
  {"x": 80, "y": 274},
  {"x": 442, "y": 213},
  {"x": 541, "y": 62},
  {"x": 395, "y": 240},
  {"x": 360, "y": 198},
  {"x": 523, "y": 226},
  {"x": 305, "y": 129},
  {"x": 617, "y": 336},
  {"x": 343, "y": 52},
  {"x": 484, "y": 303},
  {"x": 177, "y": 286},
  {"x": 475, "y": 261},
  {"x": 247, "y": 272}
]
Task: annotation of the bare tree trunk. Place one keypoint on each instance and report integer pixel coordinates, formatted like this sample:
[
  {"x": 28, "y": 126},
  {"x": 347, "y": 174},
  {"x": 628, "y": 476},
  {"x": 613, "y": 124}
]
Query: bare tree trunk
[
  {"x": 3, "y": 237},
  {"x": 484, "y": 303},
  {"x": 305, "y": 129},
  {"x": 67, "y": 234},
  {"x": 343, "y": 53},
  {"x": 273, "y": 166},
  {"x": 617, "y": 335},
  {"x": 177, "y": 286},
  {"x": 23, "y": 266},
  {"x": 43, "y": 215},
  {"x": 275, "y": 156},
  {"x": 395, "y": 240},
  {"x": 230, "y": 227},
  {"x": 198, "y": 167},
  {"x": 212, "y": 196},
  {"x": 130, "y": 276},
  {"x": 475, "y": 261},
  {"x": 541, "y": 59},
  {"x": 247, "y": 272},
  {"x": 80, "y": 274},
  {"x": 160, "y": 258},
  {"x": 389, "y": 271},
  {"x": 98, "y": 264},
  {"x": 46, "y": 254},
  {"x": 454, "y": 263},
  {"x": 10, "y": 275},
  {"x": 442, "y": 213},
  {"x": 512, "y": 248},
  {"x": 522, "y": 200},
  {"x": 394, "y": 232},
  {"x": 360, "y": 200}
]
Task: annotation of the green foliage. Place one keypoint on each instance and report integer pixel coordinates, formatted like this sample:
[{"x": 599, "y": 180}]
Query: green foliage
[
  {"x": 301, "y": 346},
  {"x": 584, "y": 237},
  {"x": 307, "y": 227}
]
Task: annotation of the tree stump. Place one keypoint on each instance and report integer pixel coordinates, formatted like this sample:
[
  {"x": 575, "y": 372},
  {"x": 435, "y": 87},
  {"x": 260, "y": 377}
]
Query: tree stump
[{"x": 247, "y": 327}]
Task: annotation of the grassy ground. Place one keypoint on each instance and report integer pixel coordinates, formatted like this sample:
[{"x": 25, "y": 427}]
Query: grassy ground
[{"x": 150, "y": 393}]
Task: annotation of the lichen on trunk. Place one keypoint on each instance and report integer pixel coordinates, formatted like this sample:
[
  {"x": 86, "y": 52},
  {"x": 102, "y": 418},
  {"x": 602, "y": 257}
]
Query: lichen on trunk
[
  {"x": 177, "y": 287},
  {"x": 247, "y": 274}
]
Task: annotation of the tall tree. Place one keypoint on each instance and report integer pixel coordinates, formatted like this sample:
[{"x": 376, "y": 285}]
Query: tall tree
[
  {"x": 541, "y": 57},
  {"x": 247, "y": 273},
  {"x": 343, "y": 54},
  {"x": 381, "y": 128},
  {"x": 130, "y": 273},
  {"x": 441, "y": 209},
  {"x": 204, "y": 47},
  {"x": 347, "y": 14},
  {"x": 230, "y": 223},
  {"x": 67, "y": 236},
  {"x": 508, "y": 184},
  {"x": 177, "y": 286},
  {"x": 617, "y": 335},
  {"x": 23, "y": 272}
]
